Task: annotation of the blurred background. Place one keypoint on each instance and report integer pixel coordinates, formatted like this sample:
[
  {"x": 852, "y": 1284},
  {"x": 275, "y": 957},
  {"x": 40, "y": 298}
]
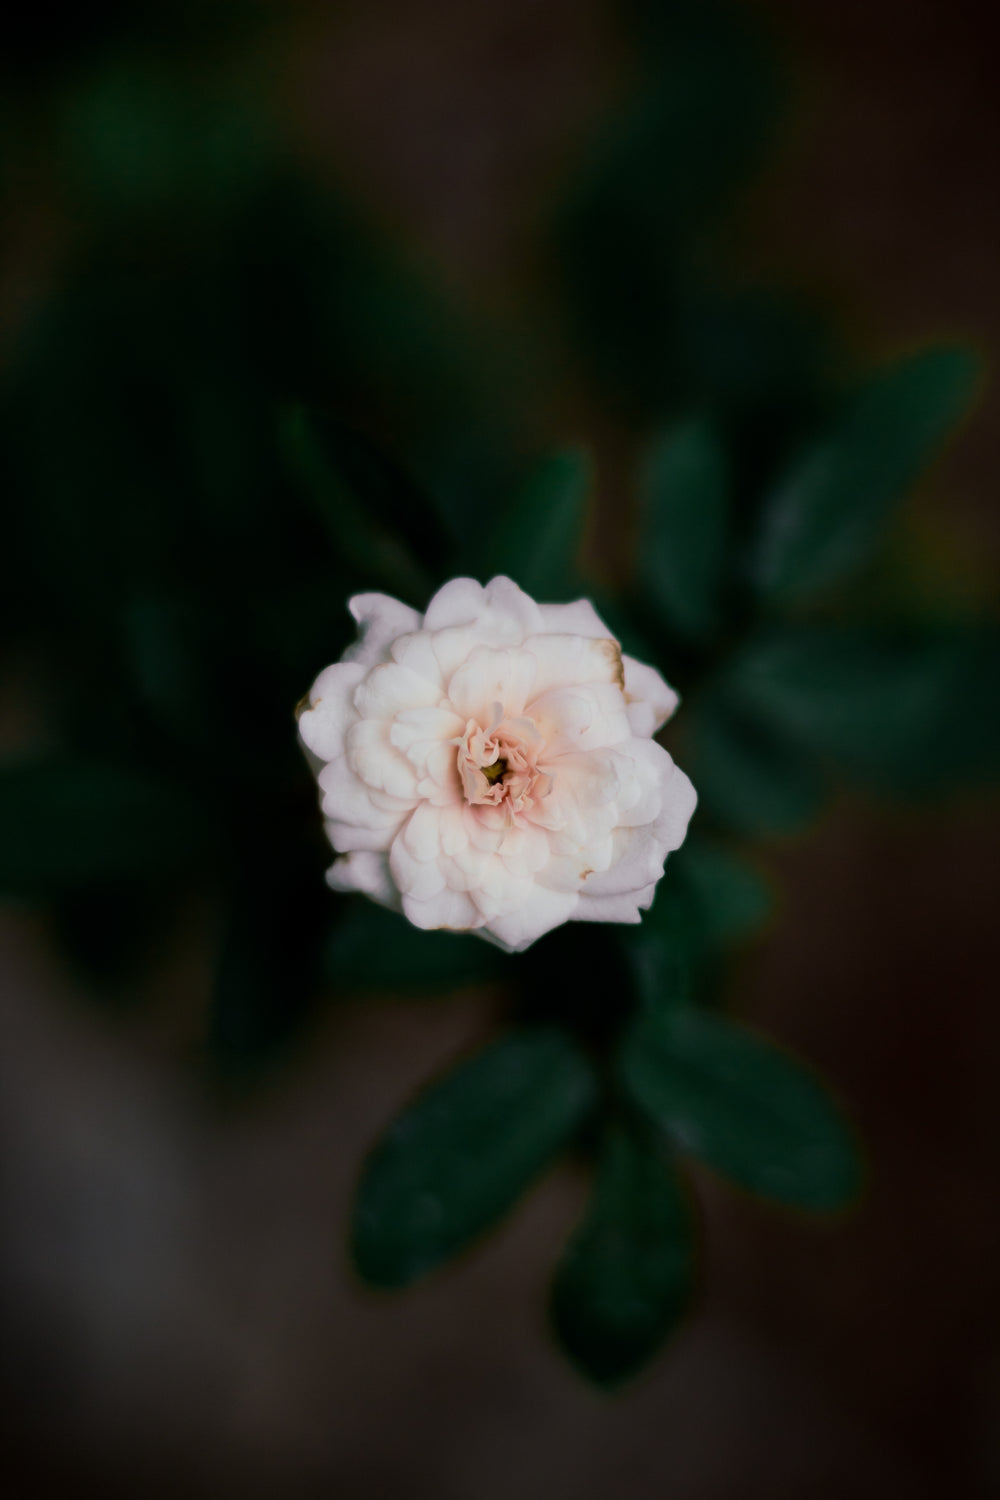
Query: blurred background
[{"x": 466, "y": 235}]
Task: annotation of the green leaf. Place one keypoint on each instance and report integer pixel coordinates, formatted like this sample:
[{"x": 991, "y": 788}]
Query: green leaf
[
  {"x": 460, "y": 1156},
  {"x": 708, "y": 898},
  {"x": 751, "y": 779},
  {"x": 66, "y": 824},
  {"x": 748, "y": 1110},
  {"x": 828, "y": 510},
  {"x": 904, "y": 709},
  {"x": 376, "y": 949},
  {"x": 684, "y": 499},
  {"x": 382, "y": 487},
  {"x": 368, "y": 548},
  {"x": 625, "y": 1279},
  {"x": 728, "y": 897},
  {"x": 536, "y": 540},
  {"x": 665, "y": 161}
]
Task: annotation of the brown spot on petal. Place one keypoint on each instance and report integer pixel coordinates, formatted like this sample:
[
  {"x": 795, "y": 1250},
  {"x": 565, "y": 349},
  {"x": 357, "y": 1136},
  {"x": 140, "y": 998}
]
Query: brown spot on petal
[
  {"x": 614, "y": 655},
  {"x": 586, "y": 872},
  {"x": 302, "y": 705}
]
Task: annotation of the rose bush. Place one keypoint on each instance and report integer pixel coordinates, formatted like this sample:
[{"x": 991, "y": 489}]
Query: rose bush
[{"x": 490, "y": 767}]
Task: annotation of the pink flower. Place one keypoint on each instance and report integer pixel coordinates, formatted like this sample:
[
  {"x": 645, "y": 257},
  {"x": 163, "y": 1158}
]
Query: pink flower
[{"x": 489, "y": 766}]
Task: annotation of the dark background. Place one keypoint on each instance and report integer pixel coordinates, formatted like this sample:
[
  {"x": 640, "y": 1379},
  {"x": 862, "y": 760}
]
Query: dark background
[{"x": 178, "y": 1314}]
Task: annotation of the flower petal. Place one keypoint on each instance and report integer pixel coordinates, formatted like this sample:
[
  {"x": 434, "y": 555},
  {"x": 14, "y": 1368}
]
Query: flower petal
[
  {"x": 588, "y": 717},
  {"x": 381, "y": 619},
  {"x": 578, "y": 618},
  {"x": 650, "y": 700},
  {"x": 544, "y": 910},
  {"x": 450, "y": 909},
  {"x": 417, "y": 653},
  {"x": 420, "y": 878},
  {"x": 331, "y": 712},
  {"x": 365, "y": 872},
  {"x": 389, "y": 688},
  {"x": 573, "y": 660},
  {"x": 500, "y": 613},
  {"x": 488, "y": 677},
  {"x": 350, "y": 802},
  {"x": 376, "y": 761},
  {"x": 624, "y": 908}
]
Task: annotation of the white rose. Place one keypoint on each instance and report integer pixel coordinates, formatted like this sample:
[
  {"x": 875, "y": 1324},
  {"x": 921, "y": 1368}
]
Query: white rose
[{"x": 489, "y": 766}]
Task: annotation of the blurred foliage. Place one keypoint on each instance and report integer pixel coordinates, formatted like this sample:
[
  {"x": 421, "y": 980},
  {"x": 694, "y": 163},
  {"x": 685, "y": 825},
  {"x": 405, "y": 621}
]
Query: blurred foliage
[
  {"x": 625, "y": 1278},
  {"x": 237, "y": 405},
  {"x": 453, "y": 1162}
]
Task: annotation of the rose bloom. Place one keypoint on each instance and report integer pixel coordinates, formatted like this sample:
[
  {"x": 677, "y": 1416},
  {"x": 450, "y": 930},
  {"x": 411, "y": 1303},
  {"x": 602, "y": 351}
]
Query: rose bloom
[{"x": 489, "y": 766}]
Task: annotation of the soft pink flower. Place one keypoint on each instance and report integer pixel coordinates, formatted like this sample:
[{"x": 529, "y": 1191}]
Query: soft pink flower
[{"x": 489, "y": 766}]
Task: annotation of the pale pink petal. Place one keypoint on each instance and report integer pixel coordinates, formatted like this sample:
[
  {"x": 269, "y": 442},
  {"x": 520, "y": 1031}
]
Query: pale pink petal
[
  {"x": 422, "y": 834},
  {"x": 417, "y": 653},
  {"x": 578, "y": 618},
  {"x": 489, "y": 677},
  {"x": 450, "y": 909},
  {"x": 418, "y": 732},
  {"x": 452, "y": 647},
  {"x": 499, "y": 613},
  {"x": 389, "y": 689},
  {"x": 573, "y": 719},
  {"x": 381, "y": 619},
  {"x": 637, "y": 860},
  {"x": 645, "y": 773},
  {"x": 440, "y": 782},
  {"x": 679, "y": 802},
  {"x": 348, "y": 799},
  {"x": 650, "y": 700},
  {"x": 625, "y": 908},
  {"x": 544, "y": 910},
  {"x": 572, "y": 659},
  {"x": 377, "y": 762},
  {"x": 583, "y": 797},
  {"x": 420, "y": 878},
  {"x": 367, "y": 873},
  {"x": 525, "y": 849},
  {"x": 496, "y": 890},
  {"x": 322, "y": 726}
]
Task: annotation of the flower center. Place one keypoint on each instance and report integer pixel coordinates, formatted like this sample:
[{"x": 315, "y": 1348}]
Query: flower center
[{"x": 497, "y": 765}]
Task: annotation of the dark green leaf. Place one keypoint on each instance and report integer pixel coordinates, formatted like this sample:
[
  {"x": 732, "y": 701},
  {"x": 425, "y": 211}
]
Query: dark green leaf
[
  {"x": 757, "y": 357},
  {"x": 750, "y": 778},
  {"x": 536, "y": 540},
  {"x": 368, "y": 549},
  {"x": 665, "y": 950},
  {"x": 706, "y": 93},
  {"x": 65, "y": 824},
  {"x": 904, "y": 710},
  {"x": 684, "y": 499},
  {"x": 382, "y": 488},
  {"x": 728, "y": 896},
  {"x": 707, "y": 899},
  {"x": 626, "y": 1277},
  {"x": 459, "y": 1157},
  {"x": 376, "y": 949},
  {"x": 748, "y": 1110},
  {"x": 828, "y": 510}
]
